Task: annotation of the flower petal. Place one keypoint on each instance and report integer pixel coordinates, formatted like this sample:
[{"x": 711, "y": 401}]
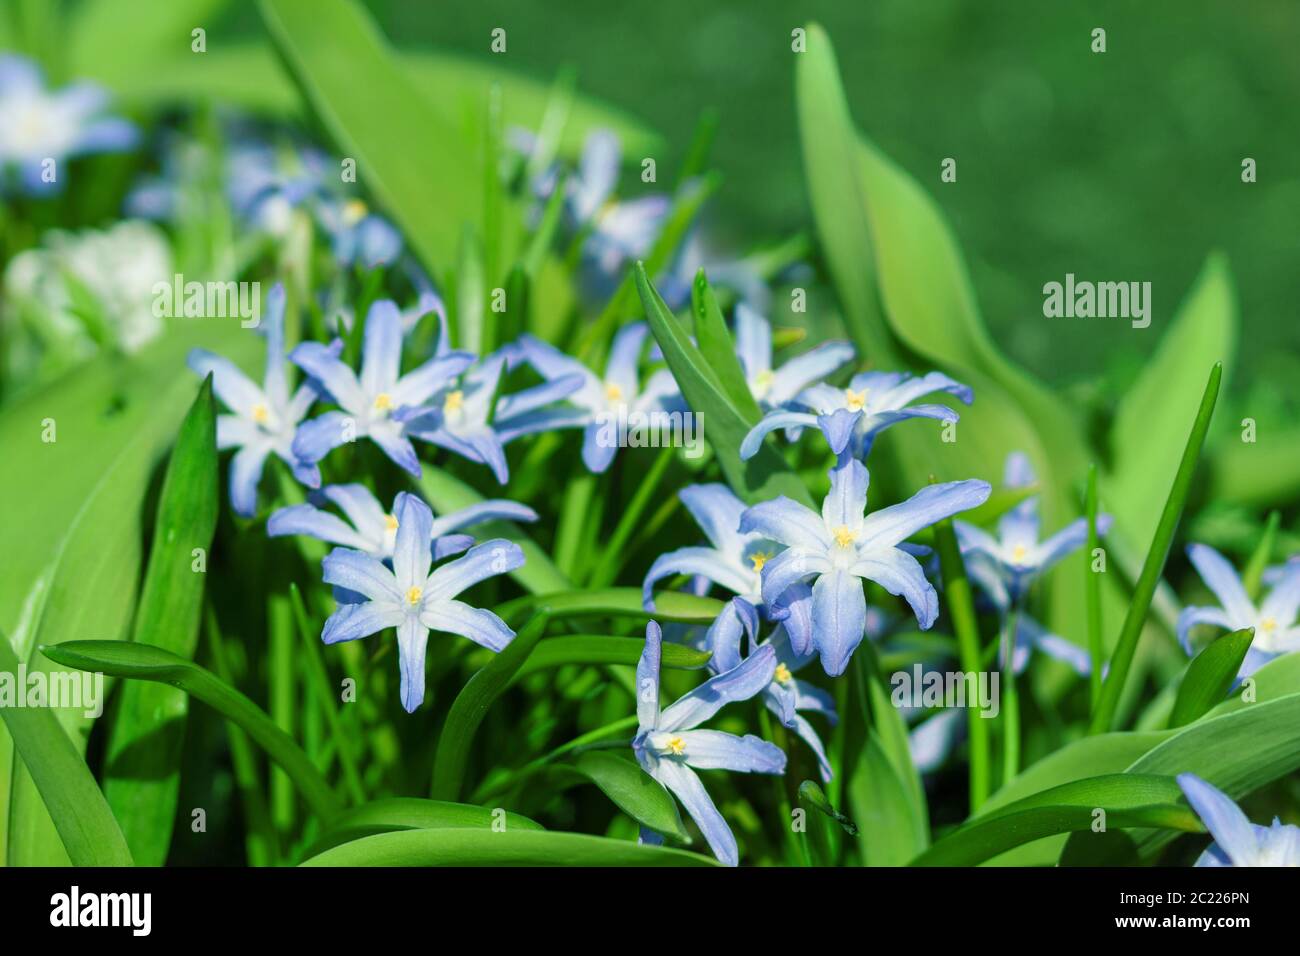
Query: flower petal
[
  {"x": 483, "y": 561},
  {"x": 901, "y": 575},
  {"x": 412, "y": 640},
  {"x": 686, "y": 786},
  {"x": 839, "y": 619},
  {"x": 647, "y": 678},
  {"x": 846, "y": 502},
  {"x": 245, "y": 473},
  {"x": 739, "y": 683},
  {"x": 717, "y": 511},
  {"x": 891, "y": 525},
  {"x": 413, "y": 549},
  {"x": 705, "y": 562},
  {"x": 781, "y": 418},
  {"x": 1234, "y": 834},
  {"x": 361, "y": 572},
  {"x": 478, "y": 624},
  {"x": 322, "y": 363},
  {"x": 352, "y": 621},
  {"x": 785, "y": 520},
  {"x": 718, "y": 750},
  {"x": 1220, "y": 577},
  {"x": 235, "y": 389},
  {"x": 496, "y": 509},
  {"x": 311, "y": 521}
]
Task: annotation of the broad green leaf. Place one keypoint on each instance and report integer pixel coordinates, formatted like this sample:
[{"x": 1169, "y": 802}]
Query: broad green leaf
[
  {"x": 889, "y": 731},
  {"x": 604, "y": 649},
  {"x": 144, "y": 747},
  {"x": 412, "y": 813},
  {"x": 633, "y": 791},
  {"x": 1209, "y": 676},
  {"x": 1129, "y": 800},
  {"x": 460, "y": 847},
  {"x": 81, "y": 816},
  {"x": 1278, "y": 678},
  {"x": 1238, "y": 752},
  {"x": 1126, "y": 646},
  {"x": 1159, "y": 409},
  {"x": 417, "y": 164},
  {"x": 471, "y": 705},
  {"x": 115, "y": 40},
  {"x": 1099, "y": 848},
  {"x": 889, "y": 831},
  {"x": 143, "y": 662},
  {"x": 446, "y": 493},
  {"x": 763, "y": 476}
]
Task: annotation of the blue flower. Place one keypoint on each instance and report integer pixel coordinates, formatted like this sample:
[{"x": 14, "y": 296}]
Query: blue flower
[
  {"x": 786, "y": 695},
  {"x": 265, "y": 183},
  {"x": 263, "y": 419},
  {"x": 357, "y": 234},
  {"x": 1015, "y": 556},
  {"x": 842, "y": 546},
  {"x": 670, "y": 748},
  {"x": 374, "y": 530},
  {"x": 1004, "y": 567},
  {"x": 850, "y": 418},
  {"x": 777, "y": 387},
  {"x": 598, "y": 404},
  {"x": 367, "y": 403},
  {"x": 739, "y": 275},
  {"x": 38, "y": 125},
  {"x": 467, "y": 417},
  {"x": 414, "y": 599},
  {"x": 1276, "y": 629},
  {"x": 1237, "y": 841}
]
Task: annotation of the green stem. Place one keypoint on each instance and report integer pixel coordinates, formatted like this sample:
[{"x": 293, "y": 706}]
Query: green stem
[
  {"x": 491, "y": 788},
  {"x": 572, "y": 521},
  {"x": 961, "y": 606},
  {"x": 1092, "y": 590},
  {"x": 1121, "y": 660},
  {"x": 1010, "y": 700},
  {"x": 615, "y": 553}
]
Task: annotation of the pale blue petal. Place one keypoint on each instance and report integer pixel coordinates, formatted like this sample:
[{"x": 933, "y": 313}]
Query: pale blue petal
[
  {"x": 412, "y": 639},
  {"x": 245, "y": 473},
  {"x": 739, "y": 683},
  {"x": 624, "y": 356},
  {"x": 1234, "y": 834},
  {"x": 361, "y": 507},
  {"x": 483, "y": 561},
  {"x": 1189, "y": 617},
  {"x": 901, "y": 575},
  {"x": 686, "y": 786},
  {"x": 393, "y": 442},
  {"x": 1220, "y": 577},
  {"x": 497, "y": 509},
  {"x": 803, "y": 370},
  {"x": 598, "y": 450},
  {"x": 317, "y": 437},
  {"x": 381, "y": 358},
  {"x": 846, "y": 502},
  {"x": 838, "y": 427},
  {"x": 235, "y": 389},
  {"x": 785, "y": 520},
  {"x": 725, "y": 634},
  {"x": 717, "y": 750},
  {"x": 478, "y": 624},
  {"x": 322, "y": 363},
  {"x": 647, "y": 678},
  {"x": 717, "y": 511},
  {"x": 705, "y": 562},
  {"x": 753, "y": 342},
  {"x": 450, "y": 545},
  {"x": 412, "y": 551},
  {"x": 770, "y": 422},
  {"x": 311, "y": 521},
  {"x": 791, "y": 567},
  {"x": 353, "y": 621},
  {"x": 363, "y": 573},
  {"x": 891, "y": 525},
  {"x": 839, "y": 619}
]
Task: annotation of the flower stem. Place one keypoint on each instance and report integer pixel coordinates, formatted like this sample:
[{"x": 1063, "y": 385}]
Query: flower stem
[
  {"x": 615, "y": 553},
  {"x": 1010, "y": 700},
  {"x": 1092, "y": 590}
]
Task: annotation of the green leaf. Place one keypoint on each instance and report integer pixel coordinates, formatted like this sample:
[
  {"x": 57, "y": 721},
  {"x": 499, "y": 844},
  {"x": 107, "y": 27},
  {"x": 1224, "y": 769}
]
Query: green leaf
[
  {"x": 1100, "y": 848},
  {"x": 460, "y": 847},
  {"x": 677, "y": 606},
  {"x": 633, "y": 791},
  {"x": 471, "y": 705},
  {"x": 763, "y": 476},
  {"x": 1126, "y": 646},
  {"x": 1158, "y": 410},
  {"x": 1209, "y": 676},
  {"x": 1129, "y": 800},
  {"x": 883, "y": 810},
  {"x": 718, "y": 349},
  {"x": 1253, "y": 575},
  {"x": 144, "y": 746},
  {"x": 81, "y": 816},
  {"x": 415, "y": 162},
  {"x": 113, "y": 40},
  {"x": 604, "y": 649},
  {"x": 144, "y": 662},
  {"x": 412, "y": 813},
  {"x": 446, "y": 493}
]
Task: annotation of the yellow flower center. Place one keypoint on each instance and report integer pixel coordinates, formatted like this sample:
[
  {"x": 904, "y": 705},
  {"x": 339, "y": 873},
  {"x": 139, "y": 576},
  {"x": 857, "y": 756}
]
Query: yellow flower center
[
  {"x": 1267, "y": 625},
  {"x": 855, "y": 401},
  {"x": 612, "y": 392},
  {"x": 454, "y": 401},
  {"x": 390, "y": 522},
  {"x": 1019, "y": 553},
  {"x": 383, "y": 401},
  {"x": 758, "y": 560},
  {"x": 354, "y": 211},
  {"x": 843, "y": 536},
  {"x": 261, "y": 414},
  {"x": 783, "y": 674},
  {"x": 763, "y": 381},
  {"x": 413, "y": 595},
  {"x": 677, "y": 746}
]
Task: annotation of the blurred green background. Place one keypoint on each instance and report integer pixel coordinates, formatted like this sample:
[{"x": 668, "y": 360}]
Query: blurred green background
[{"x": 1117, "y": 166}]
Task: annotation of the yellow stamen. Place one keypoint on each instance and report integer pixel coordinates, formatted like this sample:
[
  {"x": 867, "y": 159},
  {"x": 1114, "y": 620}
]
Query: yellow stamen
[
  {"x": 1019, "y": 553},
  {"x": 413, "y": 595},
  {"x": 454, "y": 401},
  {"x": 261, "y": 414},
  {"x": 843, "y": 536},
  {"x": 1268, "y": 624},
  {"x": 390, "y": 522},
  {"x": 383, "y": 401},
  {"x": 855, "y": 401},
  {"x": 613, "y": 393},
  {"x": 758, "y": 560},
  {"x": 783, "y": 674},
  {"x": 677, "y": 746}
]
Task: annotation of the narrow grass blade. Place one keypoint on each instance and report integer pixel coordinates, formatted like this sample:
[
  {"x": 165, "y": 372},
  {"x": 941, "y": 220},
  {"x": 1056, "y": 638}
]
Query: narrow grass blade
[
  {"x": 1122, "y": 658},
  {"x": 142, "y": 776},
  {"x": 471, "y": 705},
  {"x": 412, "y": 813},
  {"x": 80, "y": 813},
  {"x": 1253, "y": 576},
  {"x": 143, "y": 662},
  {"x": 604, "y": 649}
]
